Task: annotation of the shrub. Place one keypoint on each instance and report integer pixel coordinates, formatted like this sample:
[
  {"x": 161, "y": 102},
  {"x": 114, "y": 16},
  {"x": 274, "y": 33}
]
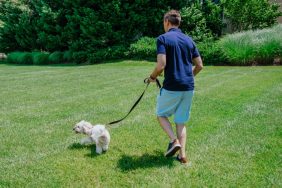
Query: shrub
[
  {"x": 251, "y": 14},
  {"x": 56, "y": 57},
  {"x": 145, "y": 47},
  {"x": 12, "y": 57},
  {"x": 194, "y": 23},
  {"x": 211, "y": 53},
  {"x": 253, "y": 47},
  {"x": 24, "y": 58},
  {"x": 67, "y": 57},
  {"x": 40, "y": 58},
  {"x": 98, "y": 56},
  {"x": 79, "y": 57}
]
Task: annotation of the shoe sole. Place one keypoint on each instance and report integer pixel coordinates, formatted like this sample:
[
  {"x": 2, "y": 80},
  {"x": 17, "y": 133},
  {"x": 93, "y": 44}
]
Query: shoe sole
[
  {"x": 172, "y": 151},
  {"x": 188, "y": 164}
]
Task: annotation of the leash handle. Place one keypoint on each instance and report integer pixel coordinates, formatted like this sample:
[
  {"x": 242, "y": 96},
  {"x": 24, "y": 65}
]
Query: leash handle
[{"x": 157, "y": 82}]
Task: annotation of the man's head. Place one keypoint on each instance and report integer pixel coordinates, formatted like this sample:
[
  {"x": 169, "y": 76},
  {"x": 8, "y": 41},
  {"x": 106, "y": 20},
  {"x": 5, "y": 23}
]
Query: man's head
[{"x": 171, "y": 19}]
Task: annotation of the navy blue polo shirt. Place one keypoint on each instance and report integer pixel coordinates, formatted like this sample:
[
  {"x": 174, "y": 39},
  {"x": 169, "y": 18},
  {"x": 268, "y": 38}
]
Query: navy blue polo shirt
[{"x": 180, "y": 49}]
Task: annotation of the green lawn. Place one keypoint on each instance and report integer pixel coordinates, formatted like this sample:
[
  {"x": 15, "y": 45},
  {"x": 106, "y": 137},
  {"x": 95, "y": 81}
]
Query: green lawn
[{"x": 234, "y": 133}]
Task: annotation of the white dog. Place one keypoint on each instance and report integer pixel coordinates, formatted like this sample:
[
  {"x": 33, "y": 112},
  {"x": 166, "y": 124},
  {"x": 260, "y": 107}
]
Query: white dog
[{"x": 98, "y": 134}]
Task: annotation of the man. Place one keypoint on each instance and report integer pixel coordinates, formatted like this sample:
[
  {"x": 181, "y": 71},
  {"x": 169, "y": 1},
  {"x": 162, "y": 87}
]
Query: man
[{"x": 176, "y": 53}]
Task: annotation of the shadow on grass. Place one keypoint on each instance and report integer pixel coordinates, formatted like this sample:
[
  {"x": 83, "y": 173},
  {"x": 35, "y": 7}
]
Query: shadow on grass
[
  {"x": 92, "y": 147},
  {"x": 129, "y": 163}
]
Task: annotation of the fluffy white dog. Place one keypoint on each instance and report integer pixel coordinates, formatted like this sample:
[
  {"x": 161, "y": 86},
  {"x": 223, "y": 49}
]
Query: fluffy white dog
[{"x": 97, "y": 133}]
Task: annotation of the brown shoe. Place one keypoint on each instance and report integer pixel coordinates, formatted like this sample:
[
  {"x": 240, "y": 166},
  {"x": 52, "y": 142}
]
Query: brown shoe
[
  {"x": 183, "y": 160},
  {"x": 172, "y": 148}
]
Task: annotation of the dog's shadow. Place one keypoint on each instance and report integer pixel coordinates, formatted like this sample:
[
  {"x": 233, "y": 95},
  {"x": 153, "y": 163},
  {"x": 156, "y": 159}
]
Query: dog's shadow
[
  {"x": 92, "y": 147},
  {"x": 129, "y": 163}
]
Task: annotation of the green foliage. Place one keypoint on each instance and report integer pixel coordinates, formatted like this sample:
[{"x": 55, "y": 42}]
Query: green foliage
[
  {"x": 56, "y": 57},
  {"x": 40, "y": 58},
  {"x": 12, "y": 58},
  {"x": 24, "y": 58},
  {"x": 79, "y": 57},
  {"x": 213, "y": 13},
  {"x": 194, "y": 23},
  {"x": 9, "y": 16},
  {"x": 97, "y": 30},
  {"x": 98, "y": 56},
  {"x": 145, "y": 47},
  {"x": 211, "y": 53},
  {"x": 93, "y": 30},
  {"x": 67, "y": 57},
  {"x": 253, "y": 47},
  {"x": 251, "y": 14}
]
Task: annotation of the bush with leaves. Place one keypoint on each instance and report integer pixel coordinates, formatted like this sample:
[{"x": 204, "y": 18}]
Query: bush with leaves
[
  {"x": 94, "y": 30},
  {"x": 56, "y": 57},
  {"x": 211, "y": 53},
  {"x": 194, "y": 23},
  {"x": 251, "y": 14},
  {"x": 40, "y": 58},
  {"x": 145, "y": 48},
  {"x": 67, "y": 56},
  {"x": 91, "y": 26}
]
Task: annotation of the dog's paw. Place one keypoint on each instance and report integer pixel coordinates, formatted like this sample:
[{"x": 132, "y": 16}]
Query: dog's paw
[
  {"x": 99, "y": 150},
  {"x": 105, "y": 148},
  {"x": 82, "y": 142}
]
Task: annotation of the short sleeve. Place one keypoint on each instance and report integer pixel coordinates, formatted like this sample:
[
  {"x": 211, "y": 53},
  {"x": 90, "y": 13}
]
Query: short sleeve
[
  {"x": 195, "y": 51},
  {"x": 160, "y": 46}
]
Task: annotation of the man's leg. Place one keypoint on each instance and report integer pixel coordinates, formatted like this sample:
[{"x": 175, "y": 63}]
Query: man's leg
[
  {"x": 181, "y": 135},
  {"x": 165, "y": 124},
  {"x": 182, "y": 115},
  {"x": 174, "y": 144}
]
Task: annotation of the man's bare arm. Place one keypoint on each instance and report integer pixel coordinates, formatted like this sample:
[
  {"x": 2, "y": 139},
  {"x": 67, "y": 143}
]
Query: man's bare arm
[
  {"x": 161, "y": 62},
  {"x": 198, "y": 65}
]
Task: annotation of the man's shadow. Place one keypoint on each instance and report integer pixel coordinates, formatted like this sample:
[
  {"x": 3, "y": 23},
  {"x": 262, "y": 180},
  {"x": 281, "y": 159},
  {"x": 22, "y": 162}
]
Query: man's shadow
[{"x": 129, "y": 163}]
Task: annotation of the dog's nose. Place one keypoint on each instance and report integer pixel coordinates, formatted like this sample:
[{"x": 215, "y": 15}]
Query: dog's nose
[{"x": 73, "y": 129}]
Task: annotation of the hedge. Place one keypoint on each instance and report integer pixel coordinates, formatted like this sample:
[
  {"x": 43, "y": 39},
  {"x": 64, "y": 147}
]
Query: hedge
[{"x": 258, "y": 47}]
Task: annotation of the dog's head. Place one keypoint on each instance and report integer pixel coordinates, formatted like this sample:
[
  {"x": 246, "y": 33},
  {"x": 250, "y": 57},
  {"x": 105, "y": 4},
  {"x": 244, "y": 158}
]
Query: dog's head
[{"x": 82, "y": 127}]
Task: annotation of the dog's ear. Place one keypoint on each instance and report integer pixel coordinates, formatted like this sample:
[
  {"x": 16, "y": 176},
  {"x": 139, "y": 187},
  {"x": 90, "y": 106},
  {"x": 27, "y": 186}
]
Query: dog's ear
[
  {"x": 87, "y": 124},
  {"x": 85, "y": 129}
]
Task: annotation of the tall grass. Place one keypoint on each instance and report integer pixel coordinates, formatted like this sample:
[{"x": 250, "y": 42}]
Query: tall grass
[{"x": 253, "y": 47}]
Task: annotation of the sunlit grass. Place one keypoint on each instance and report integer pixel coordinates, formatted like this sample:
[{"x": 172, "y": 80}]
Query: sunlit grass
[{"x": 234, "y": 132}]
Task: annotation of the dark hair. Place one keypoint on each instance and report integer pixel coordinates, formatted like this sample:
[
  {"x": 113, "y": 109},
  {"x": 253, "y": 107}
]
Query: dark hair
[{"x": 173, "y": 16}]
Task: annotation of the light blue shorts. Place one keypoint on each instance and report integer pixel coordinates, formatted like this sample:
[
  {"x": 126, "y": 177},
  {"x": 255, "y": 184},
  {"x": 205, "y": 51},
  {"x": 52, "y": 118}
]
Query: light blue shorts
[{"x": 177, "y": 103}]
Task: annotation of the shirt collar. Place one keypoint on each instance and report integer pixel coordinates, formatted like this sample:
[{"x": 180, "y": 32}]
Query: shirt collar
[{"x": 174, "y": 29}]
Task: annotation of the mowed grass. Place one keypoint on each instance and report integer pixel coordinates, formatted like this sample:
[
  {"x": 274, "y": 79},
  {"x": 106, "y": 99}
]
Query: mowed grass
[{"x": 234, "y": 132}]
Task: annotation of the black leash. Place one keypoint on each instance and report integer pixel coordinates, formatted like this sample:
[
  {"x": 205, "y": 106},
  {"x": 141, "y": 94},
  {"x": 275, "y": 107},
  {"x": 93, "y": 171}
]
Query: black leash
[{"x": 138, "y": 100}]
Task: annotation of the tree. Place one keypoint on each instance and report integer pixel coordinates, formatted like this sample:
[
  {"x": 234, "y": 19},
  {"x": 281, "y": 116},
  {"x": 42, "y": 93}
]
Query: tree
[{"x": 250, "y": 14}]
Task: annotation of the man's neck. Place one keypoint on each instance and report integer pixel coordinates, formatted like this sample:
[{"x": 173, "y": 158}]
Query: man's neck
[{"x": 172, "y": 27}]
